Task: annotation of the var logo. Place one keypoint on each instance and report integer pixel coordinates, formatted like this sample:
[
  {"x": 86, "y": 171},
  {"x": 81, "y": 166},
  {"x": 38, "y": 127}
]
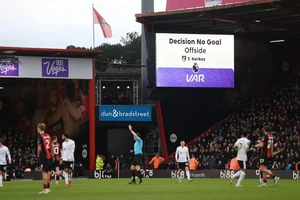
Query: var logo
[{"x": 198, "y": 78}]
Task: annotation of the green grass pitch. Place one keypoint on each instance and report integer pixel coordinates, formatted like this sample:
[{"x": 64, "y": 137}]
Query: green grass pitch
[{"x": 152, "y": 189}]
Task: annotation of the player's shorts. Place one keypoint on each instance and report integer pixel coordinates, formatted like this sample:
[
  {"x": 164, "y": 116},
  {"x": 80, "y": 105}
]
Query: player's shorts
[
  {"x": 46, "y": 164},
  {"x": 2, "y": 168},
  {"x": 242, "y": 164},
  {"x": 68, "y": 164},
  {"x": 137, "y": 160},
  {"x": 55, "y": 164},
  {"x": 264, "y": 162},
  {"x": 183, "y": 165}
]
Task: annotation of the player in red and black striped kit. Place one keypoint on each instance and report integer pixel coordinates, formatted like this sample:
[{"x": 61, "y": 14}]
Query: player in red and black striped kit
[
  {"x": 258, "y": 152},
  {"x": 57, "y": 158},
  {"x": 45, "y": 153},
  {"x": 266, "y": 153}
]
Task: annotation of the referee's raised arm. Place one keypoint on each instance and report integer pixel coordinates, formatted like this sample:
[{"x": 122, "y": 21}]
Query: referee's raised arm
[{"x": 134, "y": 134}]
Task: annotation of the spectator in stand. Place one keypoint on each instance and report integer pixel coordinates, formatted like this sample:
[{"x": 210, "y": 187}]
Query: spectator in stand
[
  {"x": 79, "y": 170},
  {"x": 193, "y": 163},
  {"x": 157, "y": 160},
  {"x": 112, "y": 162},
  {"x": 121, "y": 162},
  {"x": 99, "y": 163},
  {"x": 108, "y": 171}
]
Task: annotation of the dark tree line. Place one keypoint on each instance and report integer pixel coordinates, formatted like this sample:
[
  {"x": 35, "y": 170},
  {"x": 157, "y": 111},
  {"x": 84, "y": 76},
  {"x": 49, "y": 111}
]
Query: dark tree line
[{"x": 127, "y": 51}]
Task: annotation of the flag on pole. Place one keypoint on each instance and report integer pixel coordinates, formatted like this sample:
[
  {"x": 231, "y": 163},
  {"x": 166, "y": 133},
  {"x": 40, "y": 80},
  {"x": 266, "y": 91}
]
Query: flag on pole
[{"x": 98, "y": 19}]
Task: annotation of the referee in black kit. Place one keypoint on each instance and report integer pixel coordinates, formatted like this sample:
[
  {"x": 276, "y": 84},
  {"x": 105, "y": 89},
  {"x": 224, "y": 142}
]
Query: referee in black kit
[{"x": 138, "y": 156}]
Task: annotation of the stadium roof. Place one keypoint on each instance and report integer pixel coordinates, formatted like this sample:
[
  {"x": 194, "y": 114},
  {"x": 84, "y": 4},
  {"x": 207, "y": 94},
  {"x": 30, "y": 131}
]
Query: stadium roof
[
  {"x": 261, "y": 15},
  {"x": 72, "y": 53}
]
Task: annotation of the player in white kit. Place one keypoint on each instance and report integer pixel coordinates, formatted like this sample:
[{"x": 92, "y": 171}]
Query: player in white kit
[
  {"x": 68, "y": 149},
  {"x": 182, "y": 157},
  {"x": 4, "y": 154},
  {"x": 242, "y": 146}
]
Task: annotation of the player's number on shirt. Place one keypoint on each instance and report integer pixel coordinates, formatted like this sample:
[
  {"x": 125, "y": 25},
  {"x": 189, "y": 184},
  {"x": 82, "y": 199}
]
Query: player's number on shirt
[
  {"x": 270, "y": 142},
  {"x": 240, "y": 146},
  {"x": 56, "y": 150},
  {"x": 47, "y": 144},
  {"x": 261, "y": 160}
]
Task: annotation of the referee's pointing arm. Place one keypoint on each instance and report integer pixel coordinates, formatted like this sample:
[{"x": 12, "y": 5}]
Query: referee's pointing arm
[{"x": 135, "y": 136}]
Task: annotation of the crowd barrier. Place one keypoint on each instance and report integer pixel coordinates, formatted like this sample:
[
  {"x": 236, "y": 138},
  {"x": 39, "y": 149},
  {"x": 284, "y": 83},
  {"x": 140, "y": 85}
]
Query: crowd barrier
[{"x": 149, "y": 173}]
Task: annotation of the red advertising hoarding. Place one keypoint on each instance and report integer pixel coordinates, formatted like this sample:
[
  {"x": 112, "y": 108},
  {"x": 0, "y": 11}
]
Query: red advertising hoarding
[{"x": 183, "y": 4}]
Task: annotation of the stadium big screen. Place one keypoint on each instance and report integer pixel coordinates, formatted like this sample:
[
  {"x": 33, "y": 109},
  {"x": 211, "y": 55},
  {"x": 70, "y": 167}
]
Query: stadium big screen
[{"x": 194, "y": 60}]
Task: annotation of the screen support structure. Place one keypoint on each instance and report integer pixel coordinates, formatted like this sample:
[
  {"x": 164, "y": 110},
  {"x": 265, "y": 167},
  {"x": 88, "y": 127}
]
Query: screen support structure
[
  {"x": 92, "y": 124},
  {"x": 135, "y": 87},
  {"x": 147, "y": 6}
]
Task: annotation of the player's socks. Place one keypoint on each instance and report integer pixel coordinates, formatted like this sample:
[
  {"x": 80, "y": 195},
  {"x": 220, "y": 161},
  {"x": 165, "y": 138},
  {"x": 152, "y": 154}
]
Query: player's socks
[
  {"x": 178, "y": 175},
  {"x": 67, "y": 178},
  {"x": 1, "y": 179},
  {"x": 241, "y": 178},
  {"x": 57, "y": 177},
  {"x": 273, "y": 176},
  {"x": 133, "y": 175},
  {"x": 261, "y": 176},
  {"x": 265, "y": 180},
  {"x": 139, "y": 175},
  {"x": 70, "y": 179},
  {"x": 188, "y": 175},
  {"x": 237, "y": 174},
  {"x": 48, "y": 187}
]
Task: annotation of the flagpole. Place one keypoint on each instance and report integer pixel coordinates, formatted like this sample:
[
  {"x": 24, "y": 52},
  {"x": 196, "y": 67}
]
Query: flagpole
[{"x": 93, "y": 26}]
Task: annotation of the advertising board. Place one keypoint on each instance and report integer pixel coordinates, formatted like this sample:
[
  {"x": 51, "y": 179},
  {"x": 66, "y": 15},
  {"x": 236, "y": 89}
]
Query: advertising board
[
  {"x": 222, "y": 174},
  {"x": 48, "y": 68},
  {"x": 150, "y": 173},
  {"x": 125, "y": 113}
]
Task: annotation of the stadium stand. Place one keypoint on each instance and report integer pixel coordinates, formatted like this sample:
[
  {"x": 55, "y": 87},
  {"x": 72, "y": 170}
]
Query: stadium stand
[
  {"x": 22, "y": 148},
  {"x": 278, "y": 108}
]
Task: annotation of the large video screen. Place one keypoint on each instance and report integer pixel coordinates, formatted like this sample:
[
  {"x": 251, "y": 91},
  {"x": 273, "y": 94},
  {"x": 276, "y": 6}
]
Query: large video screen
[{"x": 194, "y": 60}]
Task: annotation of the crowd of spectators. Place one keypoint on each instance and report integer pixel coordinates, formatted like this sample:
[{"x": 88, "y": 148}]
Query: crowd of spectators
[
  {"x": 279, "y": 108},
  {"x": 22, "y": 148},
  {"x": 119, "y": 99}
]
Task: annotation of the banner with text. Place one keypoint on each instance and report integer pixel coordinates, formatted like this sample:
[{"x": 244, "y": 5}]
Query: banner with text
[
  {"x": 179, "y": 4},
  {"x": 125, "y": 113},
  {"x": 190, "y": 60},
  {"x": 44, "y": 67},
  {"x": 223, "y": 174}
]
